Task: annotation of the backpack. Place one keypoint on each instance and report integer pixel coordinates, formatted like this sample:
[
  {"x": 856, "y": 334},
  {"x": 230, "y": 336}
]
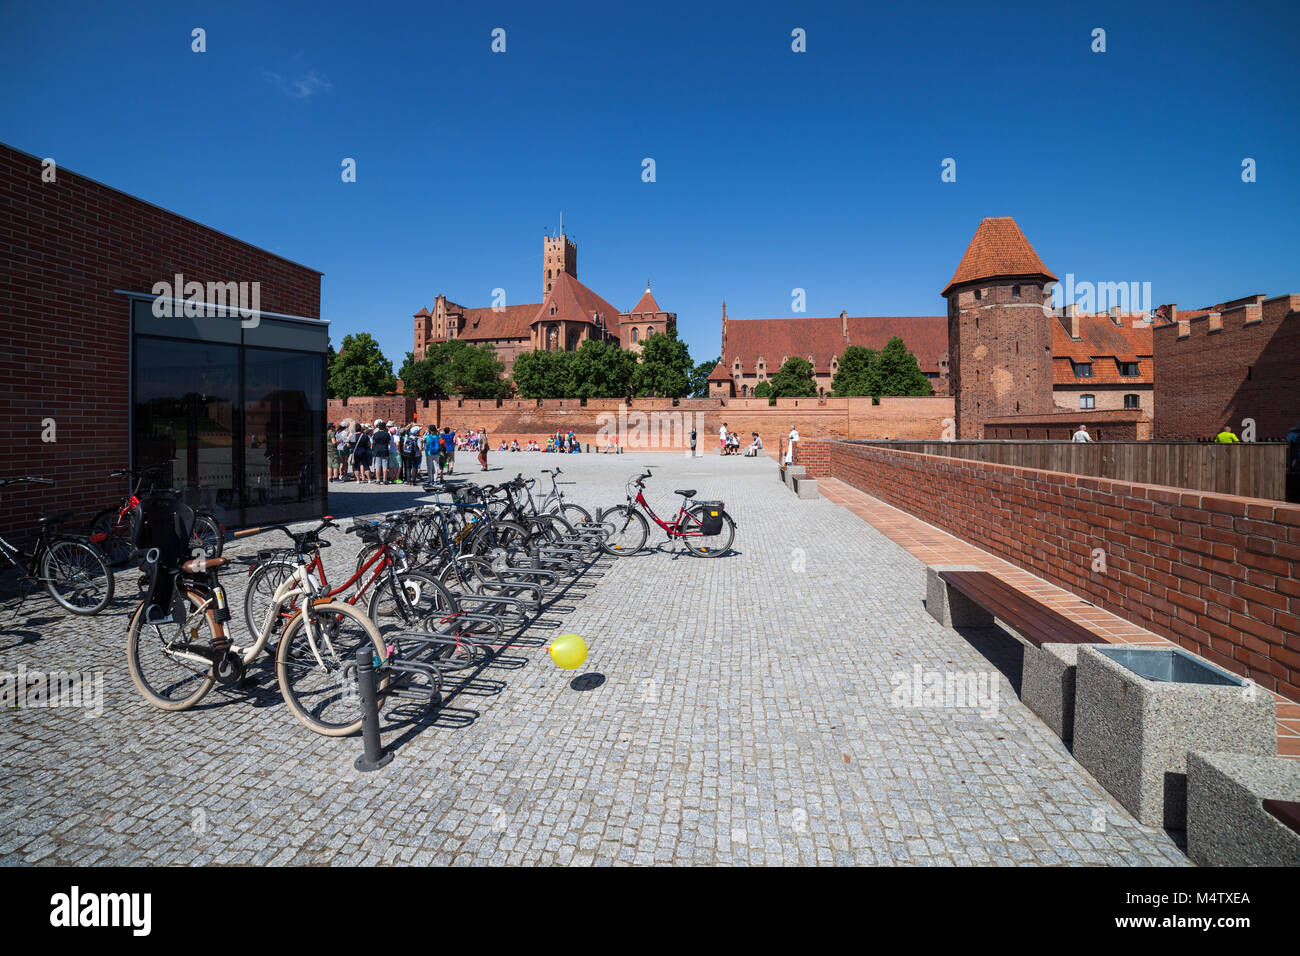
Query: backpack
[{"x": 409, "y": 446}]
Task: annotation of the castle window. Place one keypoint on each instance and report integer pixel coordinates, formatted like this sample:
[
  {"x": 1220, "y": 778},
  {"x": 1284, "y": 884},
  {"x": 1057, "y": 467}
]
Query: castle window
[
  {"x": 978, "y": 295},
  {"x": 1015, "y": 292},
  {"x": 1087, "y": 401},
  {"x": 1132, "y": 401},
  {"x": 634, "y": 338},
  {"x": 1082, "y": 369},
  {"x": 1129, "y": 368},
  {"x": 553, "y": 310}
]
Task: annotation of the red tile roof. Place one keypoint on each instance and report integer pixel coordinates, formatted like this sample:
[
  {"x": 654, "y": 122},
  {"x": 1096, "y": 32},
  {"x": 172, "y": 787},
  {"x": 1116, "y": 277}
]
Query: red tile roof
[
  {"x": 1104, "y": 344},
  {"x": 512, "y": 322},
  {"x": 719, "y": 374},
  {"x": 998, "y": 249},
  {"x": 775, "y": 340},
  {"x": 574, "y": 302},
  {"x": 646, "y": 303}
]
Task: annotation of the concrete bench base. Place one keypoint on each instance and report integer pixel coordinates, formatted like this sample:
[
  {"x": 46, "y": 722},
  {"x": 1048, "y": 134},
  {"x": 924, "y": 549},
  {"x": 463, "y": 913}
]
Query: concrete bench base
[
  {"x": 1133, "y": 734},
  {"x": 788, "y": 473},
  {"x": 806, "y": 488},
  {"x": 1047, "y": 685},
  {"x": 1226, "y": 823},
  {"x": 949, "y": 606}
]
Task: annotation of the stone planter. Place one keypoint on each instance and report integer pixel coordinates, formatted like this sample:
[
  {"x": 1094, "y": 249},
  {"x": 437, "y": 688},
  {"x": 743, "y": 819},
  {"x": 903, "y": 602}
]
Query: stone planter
[
  {"x": 1047, "y": 685},
  {"x": 1227, "y": 824},
  {"x": 1139, "y": 711}
]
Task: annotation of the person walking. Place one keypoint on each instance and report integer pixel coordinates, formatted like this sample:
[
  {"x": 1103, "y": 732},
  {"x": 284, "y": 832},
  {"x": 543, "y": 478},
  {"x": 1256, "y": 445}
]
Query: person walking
[
  {"x": 1082, "y": 434},
  {"x": 431, "y": 462},
  {"x": 1226, "y": 437},
  {"x": 379, "y": 442},
  {"x": 692, "y": 441},
  {"x": 448, "y": 450},
  {"x": 722, "y": 439},
  {"x": 341, "y": 441},
  {"x": 483, "y": 448},
  {"x": 331, "y": 452}
]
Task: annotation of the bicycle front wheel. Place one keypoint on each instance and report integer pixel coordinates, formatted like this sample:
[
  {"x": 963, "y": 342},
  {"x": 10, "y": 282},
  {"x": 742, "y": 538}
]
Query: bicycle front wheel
[
  {"x": 207, "y": 535},
  {"x": 317, "y": 666},
  {"x": 706, "y": 545},
  {"x": 77, "y": 576},
  {"x": 165, "y": 669},
  {"x": 259, "y": 598},
  {"x": 404, "y": 603},
  {"x": 626, "y": 530},
  {"x": 112, "y": 535}
]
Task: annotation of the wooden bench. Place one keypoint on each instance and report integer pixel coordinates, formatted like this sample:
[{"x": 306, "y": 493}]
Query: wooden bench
[
  {"x": 1287, "y": 811},
  {"x": 958, "y": 596},
  {"x": 1033, "y": 620}
]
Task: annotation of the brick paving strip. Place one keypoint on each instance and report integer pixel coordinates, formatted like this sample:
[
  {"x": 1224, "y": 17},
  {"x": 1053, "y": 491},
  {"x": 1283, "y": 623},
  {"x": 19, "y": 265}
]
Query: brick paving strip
[
  {"x": 932, "y": 545},
  {"x": 747, "y": 715}
]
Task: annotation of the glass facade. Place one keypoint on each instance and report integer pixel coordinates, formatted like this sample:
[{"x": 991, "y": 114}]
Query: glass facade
[{"x": 237, "y": 414}]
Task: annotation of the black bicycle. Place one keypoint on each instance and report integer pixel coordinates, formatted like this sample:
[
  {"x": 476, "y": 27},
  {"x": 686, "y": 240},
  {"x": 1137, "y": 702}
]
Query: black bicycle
[{"x": 75, "y": 574}]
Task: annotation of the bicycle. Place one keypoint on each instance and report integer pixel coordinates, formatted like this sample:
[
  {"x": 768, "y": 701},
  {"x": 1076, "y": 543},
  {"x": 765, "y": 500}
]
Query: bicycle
[
  {"x": 705, "y": 528},
  {"x": 554, "y": 502},
  {"x": 113, "y": 529},
  {"x": 315, "y": 657},
  {"x": 415, "y": 595},
  {"x": 75, "y": 574}
]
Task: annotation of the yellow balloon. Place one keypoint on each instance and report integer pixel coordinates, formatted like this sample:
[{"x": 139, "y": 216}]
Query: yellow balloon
[{"x": 568, "y": 651}]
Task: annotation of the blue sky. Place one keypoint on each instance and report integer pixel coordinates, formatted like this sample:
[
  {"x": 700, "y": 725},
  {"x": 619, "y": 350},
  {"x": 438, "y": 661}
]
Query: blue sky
[{"x": 775, "y": 169}]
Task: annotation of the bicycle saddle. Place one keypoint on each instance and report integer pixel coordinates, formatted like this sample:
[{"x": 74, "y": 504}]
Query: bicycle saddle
[
  {"x": 688, "y": 494},
  {"x": 57, "y": 518},
  {"x": 202, "y": 565}
]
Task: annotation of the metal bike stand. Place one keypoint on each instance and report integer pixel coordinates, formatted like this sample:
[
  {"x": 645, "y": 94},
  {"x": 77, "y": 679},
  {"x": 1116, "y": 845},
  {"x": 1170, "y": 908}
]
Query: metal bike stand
[{"x": 374, "y": 755}]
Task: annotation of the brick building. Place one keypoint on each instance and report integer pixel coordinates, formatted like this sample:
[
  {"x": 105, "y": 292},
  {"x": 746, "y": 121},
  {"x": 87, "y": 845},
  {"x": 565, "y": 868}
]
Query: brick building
[
  {"x": 1227, "y": 363},
  {"x": 235, "y": 408},
  {"x": 753, "y": 350},
  {"x": 569, "y": 314}
]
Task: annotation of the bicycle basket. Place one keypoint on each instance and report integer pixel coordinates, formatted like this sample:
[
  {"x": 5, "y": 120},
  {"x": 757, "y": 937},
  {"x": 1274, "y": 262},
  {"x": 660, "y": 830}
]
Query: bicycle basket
[{"x": 711, "y": 519}]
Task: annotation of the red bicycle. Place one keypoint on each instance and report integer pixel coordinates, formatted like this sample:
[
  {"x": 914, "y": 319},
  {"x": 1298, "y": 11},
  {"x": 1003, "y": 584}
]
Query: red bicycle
[
  {"x": 704, "y": 527},
  {"x": 113, "y": 529}
]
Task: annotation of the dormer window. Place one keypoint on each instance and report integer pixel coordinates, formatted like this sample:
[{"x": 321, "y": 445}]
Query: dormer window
[
  {"x": 1082, "y": 369},
  {"x": 1129, "y": 369}
]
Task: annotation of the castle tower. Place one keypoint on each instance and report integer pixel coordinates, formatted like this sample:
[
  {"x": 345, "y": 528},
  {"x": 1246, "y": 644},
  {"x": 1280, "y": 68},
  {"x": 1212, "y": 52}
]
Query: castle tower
[
  {"x": 558, "y": 255},
  {"x": 643, "y": 320},
  {"x": 999, "y": 329}
]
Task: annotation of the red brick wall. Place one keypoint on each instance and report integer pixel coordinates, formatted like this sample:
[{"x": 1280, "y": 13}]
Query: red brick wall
[
  {"x": 827, "y": 418},
  {"x": 1215, "y": 573},
  {"x": 64, "y": 247},
  {"x": 1250, "y": 368}
]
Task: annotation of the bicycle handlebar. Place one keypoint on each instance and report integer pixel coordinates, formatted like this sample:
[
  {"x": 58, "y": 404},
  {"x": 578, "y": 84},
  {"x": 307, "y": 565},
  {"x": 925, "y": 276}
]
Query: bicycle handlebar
[{"x": 26, "y": 479}]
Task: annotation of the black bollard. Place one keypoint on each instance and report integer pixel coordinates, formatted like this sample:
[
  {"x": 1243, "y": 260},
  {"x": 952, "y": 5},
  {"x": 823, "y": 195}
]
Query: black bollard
[{"x": 374, "y": 756}]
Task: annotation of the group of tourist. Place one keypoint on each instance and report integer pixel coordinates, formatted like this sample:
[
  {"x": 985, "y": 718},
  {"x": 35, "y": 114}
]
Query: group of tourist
[
  {"x": 387, "y": 453},
  {"x": 729, "y": 442}
]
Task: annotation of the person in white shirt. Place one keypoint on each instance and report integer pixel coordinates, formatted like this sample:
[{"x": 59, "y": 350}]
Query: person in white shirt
[
  {"x": 722, "y": 439},
  {"x": 1082, "y": 434},
  {"x": 789, "y": 450}
]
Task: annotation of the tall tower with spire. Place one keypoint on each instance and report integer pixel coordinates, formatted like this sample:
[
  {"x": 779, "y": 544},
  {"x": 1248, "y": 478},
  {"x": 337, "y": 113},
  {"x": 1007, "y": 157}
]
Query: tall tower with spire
[
  {"x": 558, "y": 255},
  {"x": 999, "y": 334}
]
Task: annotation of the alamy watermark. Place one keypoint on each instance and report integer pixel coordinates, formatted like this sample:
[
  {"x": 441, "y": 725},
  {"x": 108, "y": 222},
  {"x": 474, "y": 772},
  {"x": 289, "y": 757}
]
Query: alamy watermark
[
  {"x": 946, "y": 690},
  {"x": 29, "y": 689},
  {"x": 648, "y": 429},
  {"x": 193, "y": 300}
]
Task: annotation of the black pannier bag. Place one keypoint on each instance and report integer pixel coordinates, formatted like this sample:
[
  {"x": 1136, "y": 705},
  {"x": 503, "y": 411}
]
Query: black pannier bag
[
  {"x": 166, "y": 525},
  {"x": 711, "y": 520}
]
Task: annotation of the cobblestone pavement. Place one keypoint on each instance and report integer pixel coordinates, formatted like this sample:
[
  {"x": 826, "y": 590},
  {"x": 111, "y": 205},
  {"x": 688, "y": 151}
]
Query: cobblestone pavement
[{"x": 750, "y": 709}]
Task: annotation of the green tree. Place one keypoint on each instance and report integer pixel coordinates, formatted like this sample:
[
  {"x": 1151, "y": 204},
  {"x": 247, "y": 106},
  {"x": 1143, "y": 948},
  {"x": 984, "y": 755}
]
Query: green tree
[
  {"x": 601, "y": 370},
  {"x": 700, "y": 378},
  {"x": 473, "y": 371},
  {"x": 794, "y": 380},
  {"x": 665, "y": 369},
  {"x": 360, "y": 369},
  {"x": 544, "y": 374},
  {"x": 856, "y": 375},
  {"x": 895, "y": 371}
]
